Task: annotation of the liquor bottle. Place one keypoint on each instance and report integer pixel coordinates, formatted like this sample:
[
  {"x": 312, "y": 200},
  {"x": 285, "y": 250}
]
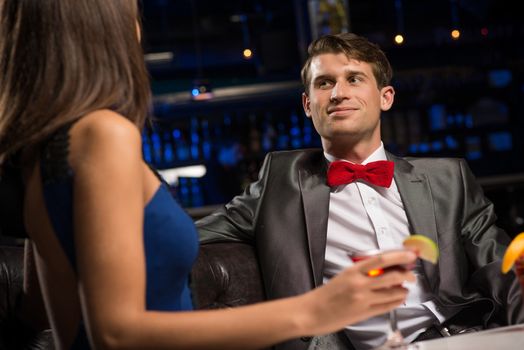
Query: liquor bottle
[
  {"x": 184, "y": 192},
  {"x": 206, "y": 140},
  {"x": 181, "y": 147},
  {"x": 157, "y": 148},
  {"x": 268, "y": 133},
  {"x": 197, "y": 197},
  {"x": 282, "y": 136},
  {"x": 307, "y": 132},
  {"x": 168, "y": 157},
  {"x": 195, "y": 139},
  {"x": 437, "y": 117},
  {"x": 228, "y": 148},
  {"x": 254, "y": 144},
  {"x": 295, "y": 132}
]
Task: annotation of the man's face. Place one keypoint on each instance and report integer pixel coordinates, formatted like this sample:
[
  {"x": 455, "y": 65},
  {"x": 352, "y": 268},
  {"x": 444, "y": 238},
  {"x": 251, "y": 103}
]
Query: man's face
[{"x": 344, "y": 101}]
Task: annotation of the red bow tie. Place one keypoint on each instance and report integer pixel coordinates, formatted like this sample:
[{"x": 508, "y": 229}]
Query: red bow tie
[{"x": 378, "y": 173}]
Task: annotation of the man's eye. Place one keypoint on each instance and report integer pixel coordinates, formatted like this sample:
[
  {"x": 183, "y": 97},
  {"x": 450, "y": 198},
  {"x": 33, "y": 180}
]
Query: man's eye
[
  {"x": 325, "y": 84},
  {"x": 355, "y": 79}
]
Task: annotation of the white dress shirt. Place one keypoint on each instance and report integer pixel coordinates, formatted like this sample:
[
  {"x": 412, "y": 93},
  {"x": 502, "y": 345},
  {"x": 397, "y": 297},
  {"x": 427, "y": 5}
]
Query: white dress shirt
[{"x": 365, "y": 217}]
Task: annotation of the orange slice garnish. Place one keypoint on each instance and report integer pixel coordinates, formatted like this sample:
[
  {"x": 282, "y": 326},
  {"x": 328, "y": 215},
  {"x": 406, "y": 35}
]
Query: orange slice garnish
[
  {"x": 514, "y": 251},
  {"x": 424, "y": 246}
]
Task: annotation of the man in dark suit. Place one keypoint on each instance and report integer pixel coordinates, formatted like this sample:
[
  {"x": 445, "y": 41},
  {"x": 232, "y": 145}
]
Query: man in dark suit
[{"x": 310, "y": 208}]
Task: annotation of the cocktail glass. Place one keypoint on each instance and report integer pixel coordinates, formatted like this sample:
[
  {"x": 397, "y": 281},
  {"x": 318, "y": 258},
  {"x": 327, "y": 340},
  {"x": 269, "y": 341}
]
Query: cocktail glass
[{"x": 395, "y": 340}]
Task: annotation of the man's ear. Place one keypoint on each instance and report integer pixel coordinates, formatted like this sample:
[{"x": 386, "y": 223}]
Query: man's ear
[
  {"x": 305, "y": 104},
  {"x": 387, "y": 96}
]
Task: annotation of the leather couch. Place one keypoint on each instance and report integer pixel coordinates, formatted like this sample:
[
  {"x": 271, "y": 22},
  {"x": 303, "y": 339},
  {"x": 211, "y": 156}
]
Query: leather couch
[
  {"x": 224, "y": 275},
  {"x": 14, "y": 334}
]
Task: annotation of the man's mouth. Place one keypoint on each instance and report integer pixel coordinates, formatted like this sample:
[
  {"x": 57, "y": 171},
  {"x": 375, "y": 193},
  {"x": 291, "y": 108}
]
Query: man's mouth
[{"x": 340, "y": 111}]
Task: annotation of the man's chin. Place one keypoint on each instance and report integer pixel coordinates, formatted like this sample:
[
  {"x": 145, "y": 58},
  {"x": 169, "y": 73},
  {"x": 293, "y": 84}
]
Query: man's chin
[
  {"x": 342, "y": 133},
  {"x": 346, "y": 136}
]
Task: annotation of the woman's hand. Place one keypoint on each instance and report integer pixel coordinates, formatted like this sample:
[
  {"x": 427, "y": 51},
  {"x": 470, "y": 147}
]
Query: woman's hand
[{"x": 353, "y": 296}]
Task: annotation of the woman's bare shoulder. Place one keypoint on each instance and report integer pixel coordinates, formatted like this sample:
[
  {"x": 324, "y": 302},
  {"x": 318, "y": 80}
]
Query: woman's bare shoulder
[
  {"x": 104, "y": 132},
  {"x": 105, "y": 123}
]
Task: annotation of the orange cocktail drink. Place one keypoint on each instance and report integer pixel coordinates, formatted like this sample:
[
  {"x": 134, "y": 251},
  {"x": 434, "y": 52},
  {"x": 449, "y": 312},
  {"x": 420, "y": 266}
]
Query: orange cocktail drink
[
  {"x": 515, "y": 256},
  {"x": 359, "y": 256}
]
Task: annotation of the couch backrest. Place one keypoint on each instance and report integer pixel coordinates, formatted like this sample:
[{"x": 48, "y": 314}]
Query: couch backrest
[{"x": 226, "y": 275}]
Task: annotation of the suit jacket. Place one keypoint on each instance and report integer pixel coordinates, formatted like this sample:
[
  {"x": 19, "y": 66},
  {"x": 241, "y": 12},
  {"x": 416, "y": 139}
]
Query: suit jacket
[{"x": 285, "y": 213}]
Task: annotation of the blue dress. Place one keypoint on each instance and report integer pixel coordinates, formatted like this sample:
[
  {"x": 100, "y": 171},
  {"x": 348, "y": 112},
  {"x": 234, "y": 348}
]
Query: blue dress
[{"x": 170, "y": 237}]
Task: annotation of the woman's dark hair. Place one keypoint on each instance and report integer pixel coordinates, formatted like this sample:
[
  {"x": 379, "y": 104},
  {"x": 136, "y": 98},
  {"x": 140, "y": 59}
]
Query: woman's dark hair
[
  {"x": 62, "y": 59},
  {"x": 353, "y": 46}
]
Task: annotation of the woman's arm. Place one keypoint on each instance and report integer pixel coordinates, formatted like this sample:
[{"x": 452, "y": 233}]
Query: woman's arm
[{"x": 111, "y": 187}]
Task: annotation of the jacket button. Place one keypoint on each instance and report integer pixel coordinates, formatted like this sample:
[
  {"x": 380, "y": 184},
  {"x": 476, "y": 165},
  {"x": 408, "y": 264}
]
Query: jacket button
[{"x": 306, "y": 339}]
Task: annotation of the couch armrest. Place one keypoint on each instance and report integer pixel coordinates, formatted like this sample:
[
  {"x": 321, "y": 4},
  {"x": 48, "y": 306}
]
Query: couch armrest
[
  {"x": 14, "y": 334},
  {"x": 226, "y": 275}
]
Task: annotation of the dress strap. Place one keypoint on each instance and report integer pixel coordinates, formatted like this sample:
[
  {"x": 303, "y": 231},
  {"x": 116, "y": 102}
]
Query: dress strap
[{"x": 53, "y": 160}]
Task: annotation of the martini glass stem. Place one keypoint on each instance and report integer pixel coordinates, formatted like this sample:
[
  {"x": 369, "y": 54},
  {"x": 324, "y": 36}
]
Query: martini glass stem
[
  {"x": 395, "y": 338},
  {"x": 393, "y": 321}
]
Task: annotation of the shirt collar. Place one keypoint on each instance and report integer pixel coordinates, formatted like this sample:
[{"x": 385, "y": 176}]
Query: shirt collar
[{"x": 378, "y": 154}]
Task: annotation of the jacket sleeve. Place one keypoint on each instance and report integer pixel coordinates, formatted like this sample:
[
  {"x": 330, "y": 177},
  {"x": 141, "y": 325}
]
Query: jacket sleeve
[
  {"x": 236, "y": 221},
  {"x": 485, "y": 244}
]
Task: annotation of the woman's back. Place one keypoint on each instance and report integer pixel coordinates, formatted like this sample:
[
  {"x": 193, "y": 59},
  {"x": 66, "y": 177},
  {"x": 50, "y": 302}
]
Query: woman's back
[{"x": 64, "y": 197}]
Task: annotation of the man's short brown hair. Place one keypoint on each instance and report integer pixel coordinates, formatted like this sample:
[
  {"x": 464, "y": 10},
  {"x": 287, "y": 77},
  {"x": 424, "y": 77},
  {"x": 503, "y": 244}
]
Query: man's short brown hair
[{"x": 353, "y": 46}]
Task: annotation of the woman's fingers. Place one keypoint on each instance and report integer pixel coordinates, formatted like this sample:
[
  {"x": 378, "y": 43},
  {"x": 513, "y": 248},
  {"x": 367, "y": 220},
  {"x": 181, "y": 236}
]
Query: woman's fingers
[
  {"x": 388, "y": 295},
  {"x": 392, "y": 278},
  {"x": 388, "y": 269},
  {"x": 387, "y": 259}
]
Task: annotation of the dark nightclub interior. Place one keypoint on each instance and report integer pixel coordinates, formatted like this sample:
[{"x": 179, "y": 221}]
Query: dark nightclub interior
[{"x": 226, "y": 83}]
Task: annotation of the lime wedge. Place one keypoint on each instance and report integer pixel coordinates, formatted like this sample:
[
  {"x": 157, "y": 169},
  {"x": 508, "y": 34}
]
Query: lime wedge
[
  {"x": 515, "y": 249},
  {"x": 423, "y": 246}
]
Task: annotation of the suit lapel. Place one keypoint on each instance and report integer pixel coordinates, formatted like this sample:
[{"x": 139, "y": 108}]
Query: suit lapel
[
  {"x": 418, "y": 203},
  {"x": 315, "y": 200}
]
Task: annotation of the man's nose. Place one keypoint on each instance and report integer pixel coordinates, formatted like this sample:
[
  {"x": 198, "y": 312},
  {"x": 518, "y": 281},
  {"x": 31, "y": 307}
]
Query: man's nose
[{"x": 340, "y": 91}]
